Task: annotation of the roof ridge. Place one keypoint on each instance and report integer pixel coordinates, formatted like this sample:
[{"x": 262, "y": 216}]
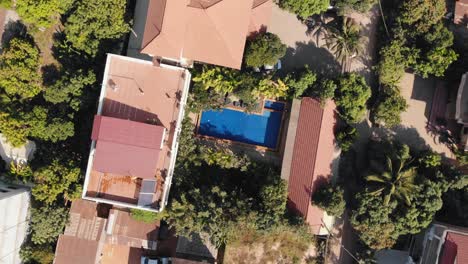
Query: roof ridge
[{"x": 219, "y": 33}]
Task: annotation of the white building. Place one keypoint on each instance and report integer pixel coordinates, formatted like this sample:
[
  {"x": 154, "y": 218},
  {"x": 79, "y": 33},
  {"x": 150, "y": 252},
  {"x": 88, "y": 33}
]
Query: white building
[{"x": 14, "y": 205}]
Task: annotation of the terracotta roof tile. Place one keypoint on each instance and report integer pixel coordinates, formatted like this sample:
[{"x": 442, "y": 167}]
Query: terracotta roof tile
[
  {"x": 210, "y": 31},
  {"x": 312, "y": 158},
  {"x": 455, "y": 249}
]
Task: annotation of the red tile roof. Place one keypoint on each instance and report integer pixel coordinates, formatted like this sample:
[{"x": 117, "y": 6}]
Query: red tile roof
[
  {"x": 312, "y": 158},
  {"x": 210, "y": 31},
  {"x": 461, "y": 12},
  {"x": 126, "y": 147},
  {"x": 455, "y": 249}
]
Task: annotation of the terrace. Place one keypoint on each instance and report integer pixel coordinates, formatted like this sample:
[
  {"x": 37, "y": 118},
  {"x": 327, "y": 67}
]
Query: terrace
[{"x": 134, "y": 139}]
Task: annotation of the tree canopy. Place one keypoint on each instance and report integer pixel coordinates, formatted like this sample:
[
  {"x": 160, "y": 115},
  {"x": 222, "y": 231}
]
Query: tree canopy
[
  {"x": 93, "y": 21},
  {"x": 304, "y": 8},
  {"x": 264, "y": 49},
  {"x": 19, "y": 70},
  {"x": 351, "y": 97},
  {"x": 41, "y": 13},
  {"x": 405, "y": 199},
  {"x": 330, "y": 198},
  {"x": 47, "y": 223},
  {"x": 53, "y": 180}
]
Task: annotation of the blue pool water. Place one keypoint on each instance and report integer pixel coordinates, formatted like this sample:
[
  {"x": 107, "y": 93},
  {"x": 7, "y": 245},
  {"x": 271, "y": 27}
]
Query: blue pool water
[
  {"x": 262, "y": 130},
  {"x": 278, "y": 106}
]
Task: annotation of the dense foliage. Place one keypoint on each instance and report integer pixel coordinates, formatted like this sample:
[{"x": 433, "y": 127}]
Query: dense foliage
[
  {"x": 351, "y": 97},
  {"x": 93, "y": 21},
  {"x": 346, "y": 6},
  {"x": 211, "y": 198},
  {"x": 41, "y": 13},
  {"x": 47, "y": 223},
  {"x": 37, "y": 254},
  {"x": 19, "y": 70},
  {"x": 264, "y": 49},
  {"x": 389, "y": 107},
  {"x": 330, "y": 198},
  {"x": 346, "y": 136},
  {"x": 400, "y": 195},
  {"x": 304, "y": 8}
]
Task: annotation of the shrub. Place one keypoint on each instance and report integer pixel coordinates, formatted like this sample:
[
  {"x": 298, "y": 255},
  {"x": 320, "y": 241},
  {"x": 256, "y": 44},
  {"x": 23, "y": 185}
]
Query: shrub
[
  {"x": 389, "y": 108},
  {"x": 346, "y": 137},
  {"x": 304, "y": 8},
  {"x": 264, "y": 49},
  {"x": 330, "y": 198},
  {"x": 146, "y": 216},
  {"x": 351, "y": 97}
]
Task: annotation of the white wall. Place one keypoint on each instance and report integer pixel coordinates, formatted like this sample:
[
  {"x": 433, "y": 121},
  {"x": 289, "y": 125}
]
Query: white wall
[{"x": 14, "y": 207}]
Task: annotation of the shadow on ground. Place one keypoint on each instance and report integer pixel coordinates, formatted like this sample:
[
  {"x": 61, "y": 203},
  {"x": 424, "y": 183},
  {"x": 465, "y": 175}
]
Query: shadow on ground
[{"x": 317, "y": 58}]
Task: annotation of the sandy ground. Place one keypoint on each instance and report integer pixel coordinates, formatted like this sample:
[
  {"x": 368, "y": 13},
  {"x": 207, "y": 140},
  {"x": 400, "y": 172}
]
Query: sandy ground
[{"x": 419, "y": 93}]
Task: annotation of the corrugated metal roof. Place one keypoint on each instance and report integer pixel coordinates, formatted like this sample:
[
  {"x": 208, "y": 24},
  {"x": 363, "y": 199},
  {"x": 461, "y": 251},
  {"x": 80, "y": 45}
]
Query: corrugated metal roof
[
  {"x": 455, "y": 249},
  {"x": 126, "y": 147},
  {"x": 312, "y": 158},
  {"x": 73, "y": 250}
]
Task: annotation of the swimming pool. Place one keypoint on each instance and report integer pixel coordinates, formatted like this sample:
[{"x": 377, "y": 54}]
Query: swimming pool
[{"x": 262, "y": 130}]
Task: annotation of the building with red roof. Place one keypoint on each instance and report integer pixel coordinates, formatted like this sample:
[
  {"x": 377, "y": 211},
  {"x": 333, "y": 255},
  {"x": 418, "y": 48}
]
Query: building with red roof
[
  {"x": 208, "y": 31},
  {"x": 461, "y": 12},
  {"x": 309, "y": 158},
  {"x": 445, "y": 244},
  {"x": 135, "y": 131}
]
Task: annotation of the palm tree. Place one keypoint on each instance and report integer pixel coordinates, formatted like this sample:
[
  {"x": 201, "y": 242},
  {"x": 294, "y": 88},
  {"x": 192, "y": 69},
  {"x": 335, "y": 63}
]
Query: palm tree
[
  {"x": 396, "y": 179},
  {"x": 344, "y": 42},
  {"x": 318, "y": 29}
]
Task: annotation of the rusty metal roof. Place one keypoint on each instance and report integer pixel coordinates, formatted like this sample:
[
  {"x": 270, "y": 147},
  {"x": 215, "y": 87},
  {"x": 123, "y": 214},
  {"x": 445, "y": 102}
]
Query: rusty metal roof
[{"x": 126, "y": 147}]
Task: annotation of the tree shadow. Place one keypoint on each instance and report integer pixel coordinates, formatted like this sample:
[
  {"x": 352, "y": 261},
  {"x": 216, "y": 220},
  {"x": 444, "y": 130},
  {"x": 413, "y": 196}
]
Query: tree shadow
[
  {"x": 15, "y": 29},
  {"x": 50, "y": 74},
  {"x": 318, "y": 59}
]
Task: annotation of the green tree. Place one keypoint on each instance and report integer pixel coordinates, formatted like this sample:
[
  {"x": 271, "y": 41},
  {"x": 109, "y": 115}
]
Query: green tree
[
  {"x": 271, "y": 88},
  {"x": 330, "y": 198},
  {"x": 346, "y": 137},
  {"x": 212, "y": 212},
  {"x": 304, "y": 8},
  {"x": 54, "y": 180},
  {"x": 390, "y": 106},
  {"x": 41, "y": 13},
  {"x": 93, "y": 21},
  {"x": 218, "y": 79},
  {"x": 264, "y": 49},
  {"x": 47, "y": 223},
  {"x": 19, "y": 70},
  {"x": 435, "y": 62},
  {"x": 69, "y": 89},
  {"x": 36, "y": 254},
  {"x": 273, "y": 199},
  {"x": 20, "y": 123},
  {"x": 394, "y": 59},
  {"x": 394, "y": 179},
  {"x": 345, "y": 42},
  {"x": 372, "y": 221},
  {"x": 147, "y": 216},
  {"x": 421, "y": 14},
  {"x": 223, "y": 157},
  {"x": 299, "y": 82},
  {"x": 346, "y": 6},
  {"x": 324, "y": 90},
  {"x": 351, "y": 97}
]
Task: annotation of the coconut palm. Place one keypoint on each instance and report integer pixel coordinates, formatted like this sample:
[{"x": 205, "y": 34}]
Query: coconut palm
[
  {"x": 395, "y": 180},
  {"x": 318, "y": 29},
  {"x": 344, "y": 42}
]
